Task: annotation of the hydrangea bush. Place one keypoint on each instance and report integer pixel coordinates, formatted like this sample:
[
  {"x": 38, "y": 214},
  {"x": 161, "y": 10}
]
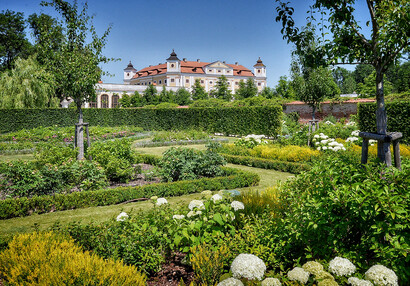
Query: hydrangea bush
[{"x": 248, "y": 266}]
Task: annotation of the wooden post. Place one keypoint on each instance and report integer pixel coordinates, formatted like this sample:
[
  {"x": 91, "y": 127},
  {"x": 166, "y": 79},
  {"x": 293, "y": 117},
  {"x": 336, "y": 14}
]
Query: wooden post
[
  {"x": 396, "y": 152},
  {"x": 365, "y": 150},
  {"x": 88, "y": 134},
  {"x": 75, "y": 136}
]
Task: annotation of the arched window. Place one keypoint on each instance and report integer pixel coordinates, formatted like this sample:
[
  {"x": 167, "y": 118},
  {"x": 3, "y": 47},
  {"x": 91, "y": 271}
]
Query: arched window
[
  {"x": 104, "y": 101},
  {"x": 115, "y": 101}
]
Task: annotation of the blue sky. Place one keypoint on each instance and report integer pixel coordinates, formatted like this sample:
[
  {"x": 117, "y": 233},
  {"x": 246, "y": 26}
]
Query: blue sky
[{"x": 146, "y": 31}]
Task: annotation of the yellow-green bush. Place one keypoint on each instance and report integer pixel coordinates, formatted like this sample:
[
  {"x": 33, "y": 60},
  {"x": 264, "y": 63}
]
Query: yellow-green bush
[
  {"x": 285, "y": 153},
  {"x": 404, "y": 150},
  {"x": 258, "y": 202},
  {"x": 208, "y": 263},
  {"x": 52, "y": 259}
]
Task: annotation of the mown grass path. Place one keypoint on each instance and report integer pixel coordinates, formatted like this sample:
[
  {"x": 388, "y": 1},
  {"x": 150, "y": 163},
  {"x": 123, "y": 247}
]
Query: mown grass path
[{"x": 100, "y": 214}]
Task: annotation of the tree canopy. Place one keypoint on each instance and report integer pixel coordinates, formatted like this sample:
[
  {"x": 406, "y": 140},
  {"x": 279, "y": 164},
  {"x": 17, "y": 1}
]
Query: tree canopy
[{"x": 343, "y": 41}]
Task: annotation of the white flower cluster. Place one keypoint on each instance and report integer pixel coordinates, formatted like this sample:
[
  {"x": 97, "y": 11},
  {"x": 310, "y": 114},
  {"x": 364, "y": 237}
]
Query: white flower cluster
[
  {"x": 248, "y": 266},
  {"x": 236, "y": 205},
  {"x": 351, "y": 123},
  {"x": 161, "y": 201},
  {"x": 178, "y": 216},
  {"x": 196, "y": 204},
  {"x": 230, "y": 282},
  {"x": 341, "y": 266},
  {"x": 323, "y": 142},
  {"x": 206, "y": 193},
  {"x": 381, "y": 275},
  {"x": 329, "y": 123},
  {"x": 216, "y": 197},
  {"x": 122, "y": 216},
  {"x": 193, "y": 213},
  {"x": 298, "y": 274},
  {"x": 354, "y": 281},
  {"x": 257, "y": 138},
  {"x": 313, "y": 267},
  {"x": 271, "y": 282}
]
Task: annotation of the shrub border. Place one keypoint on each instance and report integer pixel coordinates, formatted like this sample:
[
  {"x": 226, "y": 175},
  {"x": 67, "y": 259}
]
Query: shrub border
[
  {"x": 284, "y": 166},
  {"x": 21, "y": 207}
]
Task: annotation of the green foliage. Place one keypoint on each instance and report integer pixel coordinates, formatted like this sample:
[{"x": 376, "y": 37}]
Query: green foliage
[
  {"x": 28, "y": 85},
  {"x": 125, "y": 100},
  {"x": 13, "y": 42},
  {"x": 187, "y": 164},
  {"x": 221, "y": 90},
  {"x": 398, "y": 113},
  {"x": 182, "y": 97},
  {"x": 116, "y": 157},
  {"x": 284, "y": 88},
  {"x": 198, "y": 91},
  {"x": 53, "y": 154},
  {"x": 368, "y": 88},
  {"x": 350, "y": 210},
  {"x": 23, "y": 206},
  {"x": 192, "y": 134},
  {"x": 49, "y": 258},
  {"x": 150, "y": 95},
  {"x": 244, "y": 120}
]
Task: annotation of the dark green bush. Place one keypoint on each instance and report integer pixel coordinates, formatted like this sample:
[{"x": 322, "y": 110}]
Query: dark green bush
[
  {"x": 340, "y": 208},
  {"x": 229, "y": 120},
  {"x": 187, "y": 164},
  {"x": 398, "y": 118}
]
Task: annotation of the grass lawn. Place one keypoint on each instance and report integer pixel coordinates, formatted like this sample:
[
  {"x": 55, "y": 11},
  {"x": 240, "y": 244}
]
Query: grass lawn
[
  {"x": 10, "y": 157},
  {"x": 100, "y": 214}
]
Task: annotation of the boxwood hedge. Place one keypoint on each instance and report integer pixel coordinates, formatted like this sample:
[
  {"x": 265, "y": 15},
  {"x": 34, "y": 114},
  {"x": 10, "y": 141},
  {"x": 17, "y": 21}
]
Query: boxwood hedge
[{"x": 228, "y": 120}]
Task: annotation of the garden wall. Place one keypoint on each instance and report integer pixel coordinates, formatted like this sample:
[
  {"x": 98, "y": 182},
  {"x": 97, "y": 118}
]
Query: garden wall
[
  {"x": 229, "y": 120},
  {"x": 398, "y": 118},
  {"x": 337, "y": 109}
]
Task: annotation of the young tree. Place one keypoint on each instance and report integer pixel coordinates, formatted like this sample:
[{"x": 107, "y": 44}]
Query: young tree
[
  {"x": 182, "y": 97},
  {"x": 125, "y": 100},
  {"x": 284, "y": 88},
  {"x": 13, "y": 42},
  {"x": 150, "y": 95},
  {"x": 222, "y": 91},
  {"x": 318, "y": 85},
  {"x": 251, "y": 89},
  {"x": 240, "y": 93},
  {"x": 268, "y": 93},
  {"x": 344, "y": 80},
  {"x": 390, "y": 33},
  {"x": 27, "y": 85},
  {"x": 367, "y": 89},
  {"x": 75, "y": 62},
  {"x": 198, "y": 91},
  {"x": 136, "y": 100}
]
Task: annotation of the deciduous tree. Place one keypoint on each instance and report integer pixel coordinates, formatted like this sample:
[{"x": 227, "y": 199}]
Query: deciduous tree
[{"x": 346, "y": 43}]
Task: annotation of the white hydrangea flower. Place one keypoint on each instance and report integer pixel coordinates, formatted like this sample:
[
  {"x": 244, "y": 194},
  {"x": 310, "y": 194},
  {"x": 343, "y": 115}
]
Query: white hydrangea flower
[
  {"x": 248, "y": 266},
  {"x": 355, "y": 133},
  {"x": 236, "y": 205},
  {"x": 196, "y": 204},
  {"x": 154, "y": 198},
  {"x": 324, "y": 141},
  {"x": 298, "y": 274},
  {"x": 313, "y": 267},
  {"x": 271, "y": 282},
  {"x": 316, "y": 136},
  {"x": 352, "y": 139},
  {"x": 178, "y": 216},
  {"x": 161, "y": 201},
  {"x": 122, "y": 216},
  {"x": 341, "y": 266},
  {"x": 318, "y": 148},
  {"x": 323, "y": 136},
  {"x": 372, "y": 142},
  {"x": 216, "y": 197},
  {"x": 206, "y": 193},
  {"x": 351, "y": 123},
  {"x": 327, "y": 282},
  {"x": 354, "y": 281},
  {"x": 193, "y": 213},
  {"x": 230, "y": 282},
  {"x": 334, "y": 143},
  {"x": 329, "y": 122},
  {"x": 324, "y": 148},
  {"x": 381, "y": 275}
]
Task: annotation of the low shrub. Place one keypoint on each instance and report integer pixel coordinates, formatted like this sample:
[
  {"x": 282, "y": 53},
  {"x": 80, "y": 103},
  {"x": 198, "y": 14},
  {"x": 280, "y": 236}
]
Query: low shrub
[
  {"x": 51, "y": 259},
  {"x": 185, "y": 163},
  {"x": 23, "y": 206}
]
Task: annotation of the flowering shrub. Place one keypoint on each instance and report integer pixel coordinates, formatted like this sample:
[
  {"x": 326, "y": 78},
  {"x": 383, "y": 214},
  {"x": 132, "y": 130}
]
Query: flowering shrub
[
  {"x": 122, "y": 216},
  {"x": 236, "y": 205},
  {"x": 251, "y": 141},
  {"x": 313, "y": 267},
  {"x": 341, "y": 266},
  {"x": 216, "y": 197},
  {"x": 161, "y": 201},
  {"x": 271, "y": 282},
  {"x": 381, "y": 275},
  {"x": 248, "y": 266},
  {"x": 354, "y": 281},
  {"x": 323, "y": 142},
  {"x": 196, "y": 204},
  {"x": 230, "y": 282},
  {"x": 298, "y": 274}
]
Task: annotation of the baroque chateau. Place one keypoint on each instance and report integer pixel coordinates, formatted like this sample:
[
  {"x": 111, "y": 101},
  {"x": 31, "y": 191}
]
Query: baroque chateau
[{"x": 175, "y": 74}]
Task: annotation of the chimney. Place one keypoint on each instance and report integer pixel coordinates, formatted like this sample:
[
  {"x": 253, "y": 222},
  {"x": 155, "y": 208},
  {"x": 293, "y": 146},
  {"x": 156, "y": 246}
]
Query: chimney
[
  {"x": 198, "y": 60},
  {"x": 224, "y": 62},
  {"x": 184, "y": 59},
  {"x": 150, "y": 66},
  {"x": 236, "y": 63}
]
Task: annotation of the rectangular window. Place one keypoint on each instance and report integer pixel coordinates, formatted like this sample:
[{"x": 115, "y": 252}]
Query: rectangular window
[
  {"x": 259, "y": 84},
  {"x": 172, "y": 80},
  {"x": 187, "y": 80},
  {"x": 160, "y": 82},
  {"x": 202, "y": 81},
  {"x": 165, "y": 81}
]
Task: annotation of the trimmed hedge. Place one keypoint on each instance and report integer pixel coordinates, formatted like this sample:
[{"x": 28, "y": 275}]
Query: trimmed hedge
[
  {"x": 398, "y": 118},
  {"x": 228, "y": 120},
  {"x": 283, "y": 166},
  {"x": 41, "y": 204}
]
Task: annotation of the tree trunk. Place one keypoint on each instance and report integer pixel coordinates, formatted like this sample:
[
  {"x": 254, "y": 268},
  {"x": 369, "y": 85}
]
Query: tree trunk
[
  {"x": 383, "y": 150},
  {"x": 80, "y": 134},
  {"x": 313, "y": 111}
]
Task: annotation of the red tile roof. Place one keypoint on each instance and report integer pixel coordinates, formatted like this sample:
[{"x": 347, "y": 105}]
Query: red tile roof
[{"x": 192, "y": 67}]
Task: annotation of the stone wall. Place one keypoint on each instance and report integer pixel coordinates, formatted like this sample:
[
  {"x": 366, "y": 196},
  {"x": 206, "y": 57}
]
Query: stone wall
[{"x": 337, "y": 109}]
